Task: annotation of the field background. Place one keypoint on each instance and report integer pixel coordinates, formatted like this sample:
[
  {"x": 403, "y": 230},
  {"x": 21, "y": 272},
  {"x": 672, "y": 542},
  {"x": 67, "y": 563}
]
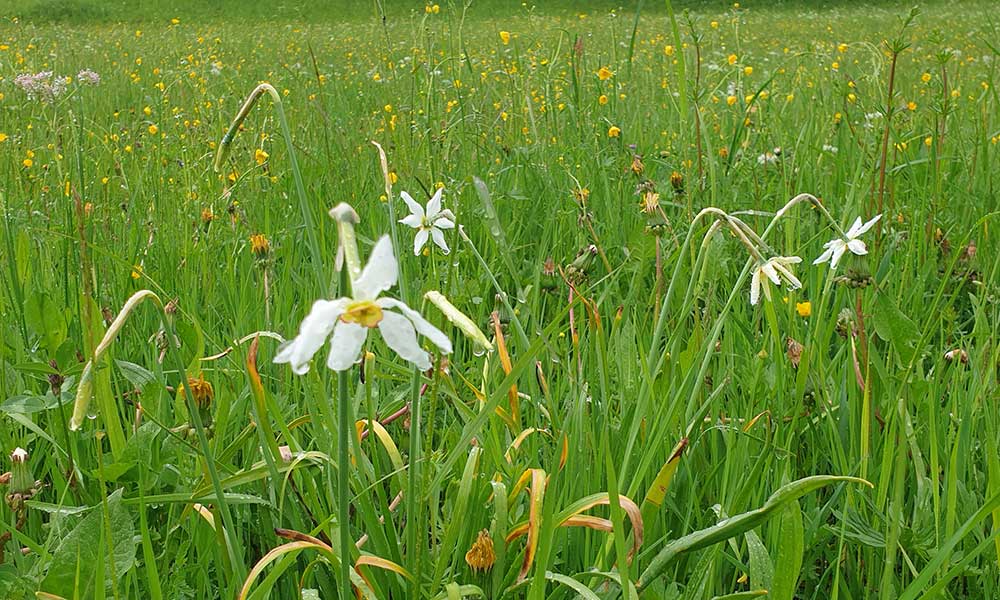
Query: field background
[{"x": 111, "y": 190}]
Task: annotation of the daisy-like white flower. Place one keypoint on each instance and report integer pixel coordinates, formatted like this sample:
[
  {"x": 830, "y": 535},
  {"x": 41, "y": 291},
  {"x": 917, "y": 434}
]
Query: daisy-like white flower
[
  {"x": 429, "y": 222},
  {"x": 835, "y": 249},
  {"x": 349, "y": 319},
  {"x": 774, "y": 269}
]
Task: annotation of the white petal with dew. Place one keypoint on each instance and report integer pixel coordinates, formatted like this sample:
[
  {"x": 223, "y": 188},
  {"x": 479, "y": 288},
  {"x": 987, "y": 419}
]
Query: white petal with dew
[
  {"x": 313, "y": 331},
  {"x": 864, "y": 228},
  {"x": 838, "y": 252},
  {"x": 379, "y": 274},
  {"x": 419, "y": 241},
  {"x": 827, "y": 254},
  {"x": 438, "y": 236},
  {"x": 855, "y": 229},
  {"x": 434, "y": 204},
  {"x": 412, "y": 220},
  {"x": 769, "y": 270},
  {"x": 413, "y": 205},
  {"x": 423, "y": 326},
  {"x": 858, "y": 247},
  {"x": 398, "y": 333},
  {"x": 345, "y": 345}
]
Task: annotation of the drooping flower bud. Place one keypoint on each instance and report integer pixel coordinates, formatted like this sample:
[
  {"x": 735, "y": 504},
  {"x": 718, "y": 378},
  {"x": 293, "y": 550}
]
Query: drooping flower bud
[{"x": 21, "y": 479}]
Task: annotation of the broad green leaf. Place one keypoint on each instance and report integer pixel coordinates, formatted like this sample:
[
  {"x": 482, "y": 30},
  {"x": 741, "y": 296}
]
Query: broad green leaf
[
  {"x": 85, "y": 546},
  {"x": 761, "y": 568},
  {"x": 741, "y": 523},
  {"x": 788, "y": 558},
  {"x": 46, "y": 318},
  {"x": 894, "y": 327}
]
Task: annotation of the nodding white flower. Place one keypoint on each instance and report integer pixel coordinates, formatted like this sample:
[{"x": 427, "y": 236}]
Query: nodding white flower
[
  {"x": 349, "y": 319},
  {"x": 769, "y": 158},
  {"x": 774, "y": 269},
  {"x": 19, "y": 455},
  {"x": 428, "y": 223},
  {"x": 834, "y": 249}
]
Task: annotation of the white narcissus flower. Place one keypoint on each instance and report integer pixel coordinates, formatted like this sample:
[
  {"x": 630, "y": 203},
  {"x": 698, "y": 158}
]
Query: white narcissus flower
[
  {"x": 775, "y": 269},
  {"x": 835, "y": 249},
  {"x": 349, "y": 319},
  {"x": 428, "y": 223}
]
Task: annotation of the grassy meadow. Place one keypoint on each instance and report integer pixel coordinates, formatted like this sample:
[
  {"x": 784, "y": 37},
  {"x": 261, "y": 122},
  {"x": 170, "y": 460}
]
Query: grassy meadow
[{"x": 629, "y": 379}]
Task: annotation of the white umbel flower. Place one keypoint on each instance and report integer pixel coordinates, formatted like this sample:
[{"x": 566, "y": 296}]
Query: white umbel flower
[
  {"x": 346, "y": 321},
  {"x": 774, "y": 269},
  {"x": 428, "y": 223},
  {"x": 836, "y": 248}
]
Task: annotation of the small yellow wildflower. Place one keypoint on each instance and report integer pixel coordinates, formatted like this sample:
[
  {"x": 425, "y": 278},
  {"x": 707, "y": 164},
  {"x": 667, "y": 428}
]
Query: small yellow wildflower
[
  {"x": 804, "y": 308},
  {"x": 604, "y": 74},
  {"x": 614, "y": 131},
  {"x": 259, "y": 245},
  {"x": 260, "y": 156},
  {"x": 505, "y": 37}
]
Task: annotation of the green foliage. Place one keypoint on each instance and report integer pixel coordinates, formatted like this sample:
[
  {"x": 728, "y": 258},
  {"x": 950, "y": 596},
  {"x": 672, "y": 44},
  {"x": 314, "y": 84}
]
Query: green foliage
[{"x": 587, "y": 151}]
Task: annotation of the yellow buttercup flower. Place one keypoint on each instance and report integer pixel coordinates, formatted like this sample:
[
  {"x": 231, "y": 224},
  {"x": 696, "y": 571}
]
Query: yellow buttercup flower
[
  {"x": 604, "y": 74},
  {"x": 259, "y": 156},
  {"x": 505, "y": 37},
  {"x": 804, "y": 308},
  {"x": 614, "y": 131}
]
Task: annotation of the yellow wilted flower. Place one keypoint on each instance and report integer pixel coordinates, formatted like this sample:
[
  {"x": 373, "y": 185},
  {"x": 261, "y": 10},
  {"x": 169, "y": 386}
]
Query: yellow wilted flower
[
  {"x": 505, "y": 37},
  {"x": 604, "y": 74},
  {"x": 480, "y": 556},
  {"x": 259, "y": 245},
  {"x": 201, "y": 391}
]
